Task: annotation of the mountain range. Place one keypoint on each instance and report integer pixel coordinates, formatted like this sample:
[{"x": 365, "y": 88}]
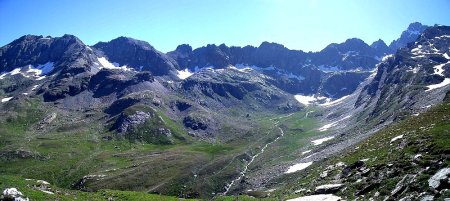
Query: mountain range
[{"x": 216, "y": 121}]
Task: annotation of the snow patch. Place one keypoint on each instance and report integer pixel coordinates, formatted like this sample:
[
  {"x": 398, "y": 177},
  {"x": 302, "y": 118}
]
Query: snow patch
[
  {"x": 321, "y": 140},
  {"x": 38, "y": 72},
  {"x": 385, "y": 58},
  {"x": 6, "y": 99},
  {"x": 41, "y": 77},
  {"x": 34, "y": 87},
  {"x": 307, "y": 100},
  {"x": 438, "y": 70},
  {"x": 321, "y": 197},
  {"x": 331, "y": 103},
  {"x": 298, "y": 167},
  {"x": 15, "y": 71},
  {"x": 305, "y": 152},
  {"x": 396, "y": 138},
  {"x": 329, "y": 68},
  {"x": 327, "y": 186},
  {"x": 444, "y": 83},
  {"x": 106, "y": 64},
  {"x": 446, "y": 56},
  {"x": 328, "y": 126},
  {"x": 183, "y": 74}
]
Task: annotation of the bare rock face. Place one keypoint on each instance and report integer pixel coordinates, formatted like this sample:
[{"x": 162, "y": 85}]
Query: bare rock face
[
  {"x": 440, "y": 179},
  {"x": 133, "y": 120}
]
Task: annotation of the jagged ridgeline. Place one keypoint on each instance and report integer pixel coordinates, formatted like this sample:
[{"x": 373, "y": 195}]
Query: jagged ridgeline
[{"x": 352, "y": 121}]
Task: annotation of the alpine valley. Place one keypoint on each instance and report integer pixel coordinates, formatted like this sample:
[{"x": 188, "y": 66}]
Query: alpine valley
[{"x": 120, "y": 120}]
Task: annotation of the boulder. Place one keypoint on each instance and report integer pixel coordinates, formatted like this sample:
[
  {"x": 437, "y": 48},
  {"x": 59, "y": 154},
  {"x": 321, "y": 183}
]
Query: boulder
[
  {"x": 439, "y": 179},
  {"x": 13, "y": 194}
]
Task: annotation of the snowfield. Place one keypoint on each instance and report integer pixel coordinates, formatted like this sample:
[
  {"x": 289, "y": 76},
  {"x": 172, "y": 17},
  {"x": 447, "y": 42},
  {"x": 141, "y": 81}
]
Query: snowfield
[{"x": 298, "y": 167}]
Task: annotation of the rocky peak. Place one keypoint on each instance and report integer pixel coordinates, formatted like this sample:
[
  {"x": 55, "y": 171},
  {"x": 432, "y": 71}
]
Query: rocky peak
[
  {"x": 416, "y": 28},
  {"x": 36, "y": 50},
  {"x": 380, "y": 47},
  {"x": 137, "y": 54},
  {"x": 184, "y": 49},
  {"x": 211, "y": 55},
  {"x": 271, "y": 46},
  {"x": 353, "y": 44},
  {"x": 378, "y": 44},
  {"x": 354, "y": 53},
  {"x": 409, "y": 35}
]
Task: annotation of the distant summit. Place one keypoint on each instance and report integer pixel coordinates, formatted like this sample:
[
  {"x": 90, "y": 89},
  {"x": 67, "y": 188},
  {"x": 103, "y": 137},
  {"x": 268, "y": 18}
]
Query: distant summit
[{"x": 409, "y": 35}]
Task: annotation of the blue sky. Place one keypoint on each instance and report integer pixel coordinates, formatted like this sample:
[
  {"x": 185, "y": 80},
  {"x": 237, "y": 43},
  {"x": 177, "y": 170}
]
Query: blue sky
[{"x": 308, "y": 25}]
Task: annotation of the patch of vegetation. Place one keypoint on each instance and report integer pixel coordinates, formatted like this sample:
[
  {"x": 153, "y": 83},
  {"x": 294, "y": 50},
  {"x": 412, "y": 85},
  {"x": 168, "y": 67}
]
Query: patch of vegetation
[{"x": 30, "y": 189}]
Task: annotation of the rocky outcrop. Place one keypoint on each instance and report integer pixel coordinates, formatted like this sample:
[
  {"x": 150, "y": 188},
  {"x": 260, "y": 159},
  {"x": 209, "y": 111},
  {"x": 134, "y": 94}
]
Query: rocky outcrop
[
  {"x": 13, "y": 194},
  {"x": 108, "y": 81},
  {"x": 127, "y": 122},
  {"x": 440, "y": 180},
  {"x": 141, "y": 123},
  {"x": 195, "y": 123}
]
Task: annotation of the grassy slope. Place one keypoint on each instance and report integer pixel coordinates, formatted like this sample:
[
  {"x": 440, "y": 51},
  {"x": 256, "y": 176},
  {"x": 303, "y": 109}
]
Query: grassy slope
[
  {"x": 28, "y": 188},
  {"x": 427, "y": 134}
]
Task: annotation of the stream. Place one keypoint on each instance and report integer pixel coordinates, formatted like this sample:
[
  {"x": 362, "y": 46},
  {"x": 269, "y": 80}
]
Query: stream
[{"x": 242, "y": 173}]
